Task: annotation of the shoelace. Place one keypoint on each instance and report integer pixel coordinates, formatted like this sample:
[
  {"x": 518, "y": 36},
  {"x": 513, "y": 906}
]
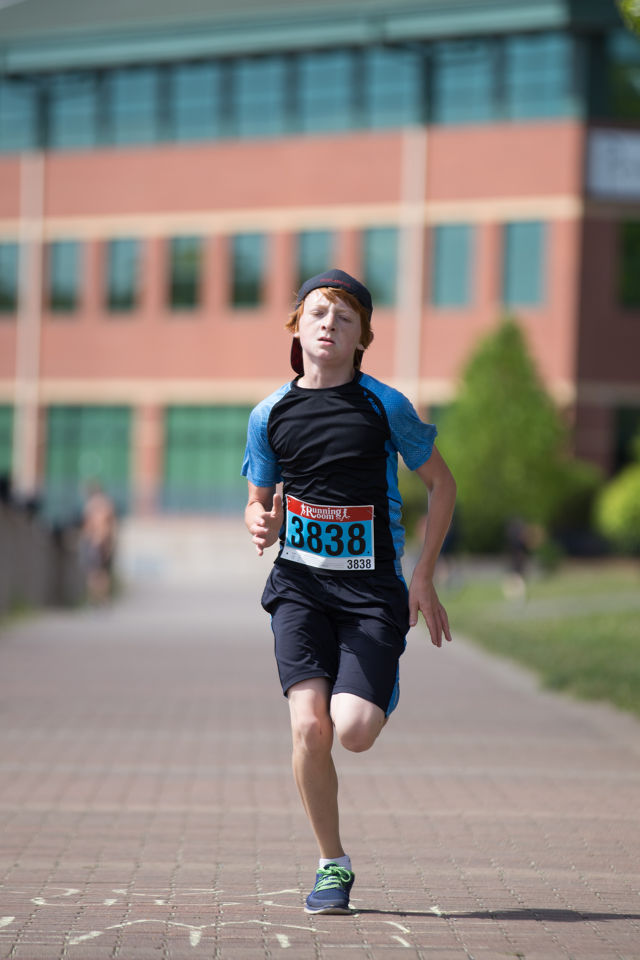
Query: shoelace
[{"x": 333, "y": 876}]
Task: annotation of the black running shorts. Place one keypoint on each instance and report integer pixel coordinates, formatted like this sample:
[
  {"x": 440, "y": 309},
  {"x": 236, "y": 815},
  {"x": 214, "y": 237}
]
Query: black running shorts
[{"x": 350, "y": 630}]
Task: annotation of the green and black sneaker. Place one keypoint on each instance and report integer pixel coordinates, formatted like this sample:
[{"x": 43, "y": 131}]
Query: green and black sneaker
[{"x": 331, "y": 890}]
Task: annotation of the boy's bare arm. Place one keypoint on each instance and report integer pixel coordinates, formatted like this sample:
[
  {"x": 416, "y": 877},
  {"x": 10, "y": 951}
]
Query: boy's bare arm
[
  {"x": 263, "y": 516},
  {"x": 423, "y": 598}
]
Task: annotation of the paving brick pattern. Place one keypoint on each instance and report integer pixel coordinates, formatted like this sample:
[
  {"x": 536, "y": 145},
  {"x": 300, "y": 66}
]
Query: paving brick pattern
[{"x": 147, "y": 808}]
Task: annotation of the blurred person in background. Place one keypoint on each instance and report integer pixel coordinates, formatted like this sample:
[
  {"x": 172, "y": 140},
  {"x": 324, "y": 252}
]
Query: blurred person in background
[
  {"x": 517, "y": 549},
  {"x": 99, "y": 543},
  {"x": 339, "y": 606}
]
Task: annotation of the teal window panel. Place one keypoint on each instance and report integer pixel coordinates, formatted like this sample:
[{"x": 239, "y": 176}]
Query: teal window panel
[
  {"x": 464, "y": 82},
  {"x": 204, "y": 448},
  {"x": 315, "y": 250},
  {"x": 133, "y": 104},
  {"x": 9, "y": 266},
  {"x": 122, "y": 274},
  {"x": 623, "y": 58},
  {"x": 72, "y": 120},
  {"x": 259, "y": 103},
  {"x": 18, "y": 113},
  {"x": 326, "y": 84},
  {"x": 629, "y": 265},
  {"x": 538, "y": 77},
  {"x": 524, "y": 263},
  {"x": 195, "y": 101},
  {"x": 248, "y": 265},
  {"x": 6, "y": 440},
  {"x": 393, "y": 86},
  {"x": 185, "y": 272},
  {"x": 86, "y": 444},
  {"x": 380, "y": 256},
  {"x": 64, "y": 263},
  {"x": 452, "y": 264}
]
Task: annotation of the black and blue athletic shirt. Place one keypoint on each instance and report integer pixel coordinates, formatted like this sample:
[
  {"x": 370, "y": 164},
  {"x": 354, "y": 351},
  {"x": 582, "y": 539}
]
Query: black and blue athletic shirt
[{"x": 339, "y": 446}]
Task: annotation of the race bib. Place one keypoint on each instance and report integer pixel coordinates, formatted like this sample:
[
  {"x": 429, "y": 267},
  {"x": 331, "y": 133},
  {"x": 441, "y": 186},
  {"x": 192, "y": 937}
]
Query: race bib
[{"x": 334, "y": 538}]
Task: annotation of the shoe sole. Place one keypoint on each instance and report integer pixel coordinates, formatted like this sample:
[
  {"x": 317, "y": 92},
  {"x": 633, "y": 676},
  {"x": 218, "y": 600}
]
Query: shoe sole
[{"x": 343, "y": 911}]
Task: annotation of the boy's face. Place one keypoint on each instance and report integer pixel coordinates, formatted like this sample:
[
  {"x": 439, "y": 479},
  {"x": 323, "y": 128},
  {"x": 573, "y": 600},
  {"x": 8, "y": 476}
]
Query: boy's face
[{"x": 329, "y": 332}]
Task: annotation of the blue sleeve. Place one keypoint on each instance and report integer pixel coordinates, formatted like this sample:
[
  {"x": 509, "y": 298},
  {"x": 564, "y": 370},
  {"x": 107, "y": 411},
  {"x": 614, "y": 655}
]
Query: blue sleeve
[
  {"x": 260, "y": 465},
  {"x": 412, "y": 438}
]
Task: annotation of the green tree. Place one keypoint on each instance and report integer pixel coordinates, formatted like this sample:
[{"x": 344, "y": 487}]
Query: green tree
[
  {"x": 506, "y": 443},
  {"x": 630, "y": 11},
  {"x": 618, "y": 507}
]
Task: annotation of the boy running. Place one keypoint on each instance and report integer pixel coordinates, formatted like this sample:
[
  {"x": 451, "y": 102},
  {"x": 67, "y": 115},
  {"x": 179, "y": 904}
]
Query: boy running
[{"x": 339, "y": 606}]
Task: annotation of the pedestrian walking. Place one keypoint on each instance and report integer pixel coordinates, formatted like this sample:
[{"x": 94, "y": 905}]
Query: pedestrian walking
[
  {"x": 99, "y": 543},
  {"x": 340, "y": 609}
]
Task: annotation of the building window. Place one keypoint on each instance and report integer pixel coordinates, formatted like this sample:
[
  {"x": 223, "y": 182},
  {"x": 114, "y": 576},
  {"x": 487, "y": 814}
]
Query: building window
[
  {"x": 18, "y": 113},
  {"x": 259, "y": 96},
  {"x": 523, "y": 263},
  {"x": 63, "y": 276},
  {"x": 133, "y": 104},
  {"x": 314, "y": 253},
  {"x": 203, "y": 447},
  {"x": 538, "y": 75},
  {"x": 6, "y": 442},
  {"x": 380, "y": 254},
  {"x": 83, "y": 445},
  {"x": 185, "y": 271},
  {"x": 73, "y": 110},
  {"x": 626, "y": 436},
  {"x": 464, "y": 81},
  {"x": 8, "y": 277},
  {"x": 122, "y": 274},
  {"x": 629, "y": 265},
  {"x": 624, "y": 75},
  {"x": 195, "y": 101},
  {"x": 248, "y": 251},
  {"x": 325, "y": 91},
  {"x": 393, "y": 87},
  {"x": 470, "y": 80},
  {"x": 451, "y": 272}
]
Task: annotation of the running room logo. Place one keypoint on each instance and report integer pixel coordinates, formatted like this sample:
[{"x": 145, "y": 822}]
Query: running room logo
[{"x": 323, "y": 513}]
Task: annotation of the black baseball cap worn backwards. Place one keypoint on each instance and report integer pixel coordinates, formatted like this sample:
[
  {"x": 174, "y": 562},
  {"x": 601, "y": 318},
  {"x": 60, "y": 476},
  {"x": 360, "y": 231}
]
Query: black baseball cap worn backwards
[{"x": 338, "y": 280}]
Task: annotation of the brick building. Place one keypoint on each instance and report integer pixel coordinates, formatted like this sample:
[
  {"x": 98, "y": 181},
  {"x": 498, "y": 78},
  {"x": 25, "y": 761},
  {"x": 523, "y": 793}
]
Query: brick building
[{"x": 169, "y": 172}]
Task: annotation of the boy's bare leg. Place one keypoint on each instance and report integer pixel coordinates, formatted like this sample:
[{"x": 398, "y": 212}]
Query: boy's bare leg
[
  {"x": 357, "y": 722},
  {"x": 313, "y": 767}
]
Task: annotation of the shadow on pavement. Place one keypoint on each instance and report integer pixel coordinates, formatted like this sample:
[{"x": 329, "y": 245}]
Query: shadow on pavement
[{"x": 533, "y": 913}]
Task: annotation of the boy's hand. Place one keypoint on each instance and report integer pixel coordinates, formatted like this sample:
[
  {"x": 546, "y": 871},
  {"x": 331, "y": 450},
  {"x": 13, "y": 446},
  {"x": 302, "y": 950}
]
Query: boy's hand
[
  {"x": 265, "y": 528},
  {"x": 423, "y": 598}
]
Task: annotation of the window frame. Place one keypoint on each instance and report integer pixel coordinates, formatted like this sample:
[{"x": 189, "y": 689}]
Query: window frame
[
  {"x": 130, "y": 302},
  {"x": 9, "y": 303},
  {"x": 516, "y": 253},
  {"x": 628, "y": 279},
  {"x": 58, "y": 301},
  {"x": 255, "y": 284},
  {"x": 444, "y": 259},
  {"x": 184, "y": 293},
  {"x": 376, "y": 264}
]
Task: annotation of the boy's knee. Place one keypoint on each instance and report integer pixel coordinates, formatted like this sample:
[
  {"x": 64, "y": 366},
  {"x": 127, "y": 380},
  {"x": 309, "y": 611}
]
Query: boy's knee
[
  {"x": 358, "y": 735},
  {"x": 311, "y": 732},
  {"x": 311, "y": 726},
  {"x": 357, "y": 721}
]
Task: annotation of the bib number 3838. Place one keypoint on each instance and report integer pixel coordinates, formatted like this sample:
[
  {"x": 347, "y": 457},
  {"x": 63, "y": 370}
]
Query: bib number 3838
[{"x": 334, "y": 538}]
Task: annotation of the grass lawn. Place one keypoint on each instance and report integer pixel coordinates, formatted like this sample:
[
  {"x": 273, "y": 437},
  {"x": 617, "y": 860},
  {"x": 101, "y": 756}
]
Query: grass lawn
[{"x": 578, "y": 628}]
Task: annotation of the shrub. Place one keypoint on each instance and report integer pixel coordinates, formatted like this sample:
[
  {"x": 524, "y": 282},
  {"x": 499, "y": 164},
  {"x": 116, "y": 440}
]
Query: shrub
[
  {"x": 414, "y": 501},
  {"x": 618, "y": 508},
  {"x": 507, "y": 444}
]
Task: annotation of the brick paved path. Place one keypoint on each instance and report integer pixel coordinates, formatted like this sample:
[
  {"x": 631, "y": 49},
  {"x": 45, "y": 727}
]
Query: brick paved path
[{"x": 147, "y": 808}]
